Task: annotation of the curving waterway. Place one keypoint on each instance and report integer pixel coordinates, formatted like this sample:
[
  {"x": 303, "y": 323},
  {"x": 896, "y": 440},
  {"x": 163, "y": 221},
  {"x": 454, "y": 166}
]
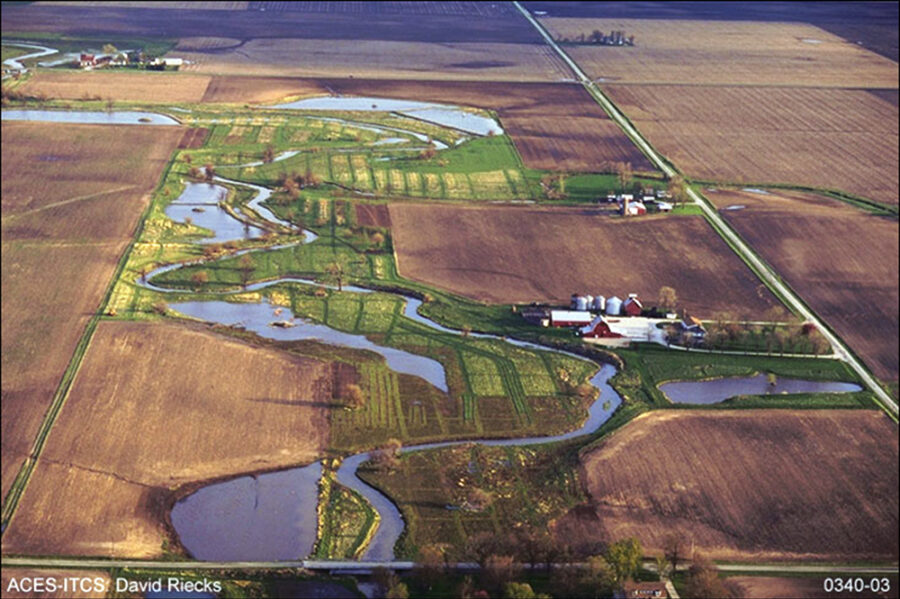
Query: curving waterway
[{"x": 273, "y": 516}]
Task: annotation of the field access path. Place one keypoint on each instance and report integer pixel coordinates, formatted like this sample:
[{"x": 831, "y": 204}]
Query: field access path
[{"x": 763, "y": 270}]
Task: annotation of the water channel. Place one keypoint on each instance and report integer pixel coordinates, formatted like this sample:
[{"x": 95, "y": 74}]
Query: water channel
[
  {"x": 90, "y": 117},
  {"x": 273, "y": 516}
]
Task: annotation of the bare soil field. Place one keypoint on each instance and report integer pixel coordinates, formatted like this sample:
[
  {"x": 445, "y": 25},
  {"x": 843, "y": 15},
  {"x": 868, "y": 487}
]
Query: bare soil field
[
  {"x": 405, "y": 24},
  {"x": 20, "y": 574},
  {"x": 193, "y": 138},
  {"x": 118, "y": 85},
  {"x": 50, "y": 290},
  {"x": 872, "y": 25},
  {"x": 385, "y": 59},
  {"x": 772, "y": 587},
  {"x": 261, "y": 90},
  {"x": 152, "y": 409},
  {"x": 513, "y": 254},
  {"x": 841, "y": 260},
  {"x": 829, "y": 138},
  {"x": 71, "y": 197},
  {"x": 554, "y": 126},
  {"x": 373, "y": 215},
  {"x": 782, "y": 485},
  {"x": 724, "y": 53}
]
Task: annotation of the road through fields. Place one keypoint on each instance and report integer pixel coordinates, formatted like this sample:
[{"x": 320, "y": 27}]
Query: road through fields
[{"x": 761, "y": 268}]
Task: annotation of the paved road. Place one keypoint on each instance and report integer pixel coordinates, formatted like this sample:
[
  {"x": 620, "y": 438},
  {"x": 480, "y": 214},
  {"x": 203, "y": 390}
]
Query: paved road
[
  {"x": 353, "y": 566},
  {"x": 763, "y": 270}
]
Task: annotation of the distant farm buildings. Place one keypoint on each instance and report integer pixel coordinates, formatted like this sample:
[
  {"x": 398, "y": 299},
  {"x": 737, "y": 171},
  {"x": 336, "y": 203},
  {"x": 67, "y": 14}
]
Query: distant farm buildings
[
  {"x": 651, "y": 201},
  {"x": 615, "y": 322}
]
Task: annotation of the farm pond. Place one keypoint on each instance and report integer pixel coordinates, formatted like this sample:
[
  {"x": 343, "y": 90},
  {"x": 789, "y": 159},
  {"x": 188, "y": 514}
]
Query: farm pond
[
  {"x": 444, "y": 115},
  {"x": 714, "y": 391}
]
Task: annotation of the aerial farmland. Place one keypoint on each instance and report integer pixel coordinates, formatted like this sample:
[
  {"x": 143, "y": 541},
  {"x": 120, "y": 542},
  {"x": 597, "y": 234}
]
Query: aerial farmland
[{"x": 430, "y": 299}]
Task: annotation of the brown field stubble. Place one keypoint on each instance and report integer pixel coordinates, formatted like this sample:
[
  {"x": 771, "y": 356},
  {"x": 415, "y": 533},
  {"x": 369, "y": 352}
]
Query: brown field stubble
[
  {"x": 480, "y": 61},
  {"x": 842, "y": 261},
  {"x": 513, "y": 254},
  {"x": 445, "y": 22},
  {"x": 72, "y": 195},
  {"x": 725, "y": 52},
  {"x": 828, "y": 138},
  {"x": 261, "y": 89},
  {"x": 120, "y": 86},
  {"x": 155, "y": 407},
  {"x": 748, "y": 484}
]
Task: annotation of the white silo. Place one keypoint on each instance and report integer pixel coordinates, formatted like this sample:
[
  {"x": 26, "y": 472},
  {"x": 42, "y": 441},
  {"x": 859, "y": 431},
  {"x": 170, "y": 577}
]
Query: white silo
[
  {"x": 614, "y": 306},
  {"x": 599, "y": 303},
  {"x": 590, "y": 301},
  {"x": 581, "y": 303}
]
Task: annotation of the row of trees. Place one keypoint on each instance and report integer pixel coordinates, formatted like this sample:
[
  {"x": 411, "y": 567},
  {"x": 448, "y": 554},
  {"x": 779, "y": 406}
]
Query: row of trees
[
  {"x": 502, "y": 568},
  {"x": 677, "y": 188}
]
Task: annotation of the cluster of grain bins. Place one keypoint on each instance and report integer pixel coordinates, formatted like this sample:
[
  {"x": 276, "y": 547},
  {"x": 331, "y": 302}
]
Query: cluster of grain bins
[{"x": 613, "y": 306}]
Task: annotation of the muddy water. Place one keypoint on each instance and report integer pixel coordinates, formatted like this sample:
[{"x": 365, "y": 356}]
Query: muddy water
[
  {"x": 259, "y": 518},
  {"x": 714, "y": 391},
  {"x": 89, "y": 117}
]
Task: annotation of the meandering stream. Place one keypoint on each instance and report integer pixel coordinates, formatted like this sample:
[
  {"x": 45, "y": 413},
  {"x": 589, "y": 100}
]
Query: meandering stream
[{"x": 273, "y": 516}]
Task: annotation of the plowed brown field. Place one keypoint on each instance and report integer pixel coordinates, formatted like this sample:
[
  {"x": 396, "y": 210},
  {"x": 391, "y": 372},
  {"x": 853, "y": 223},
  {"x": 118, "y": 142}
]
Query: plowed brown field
[
  {"x": 141, "y": 86},
  {"x": 748, "y": 484},
  {"x": 260, "y": 89},
  {"x": 841, "y": 260},
  {"x": 725, "y": 52},
  {"x": 405, "y": 23},
  {"x": 71, "y": 197},
  {"x": 154, "y": 407},
  {"x": 513, "y": 254},
  {"x": 464, "y": 60},
  {"x": 832, "y": 138}
]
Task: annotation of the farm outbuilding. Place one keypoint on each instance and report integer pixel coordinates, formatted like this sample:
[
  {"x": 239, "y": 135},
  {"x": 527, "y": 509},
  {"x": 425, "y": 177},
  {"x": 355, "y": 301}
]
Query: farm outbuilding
[
  {"x": 599, "y": 304},
  {"x": 570, "y": 318},
  {"x": 632, "y": 306}
]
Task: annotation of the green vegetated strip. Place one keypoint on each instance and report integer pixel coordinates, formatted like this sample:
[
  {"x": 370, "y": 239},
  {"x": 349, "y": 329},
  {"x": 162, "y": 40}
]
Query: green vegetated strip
[
  {"x": 20, "y": 483},
  {"x": 346, "y": 521}
]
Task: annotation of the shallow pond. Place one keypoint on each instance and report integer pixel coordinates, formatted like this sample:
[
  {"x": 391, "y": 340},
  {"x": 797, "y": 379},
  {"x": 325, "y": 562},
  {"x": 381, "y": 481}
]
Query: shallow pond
[
  {"x": 444, "y": 115},
  {"x": 268, "y": 517},
  {"x": 714, "y": 391},
  {"x": 90, "y": 117}
]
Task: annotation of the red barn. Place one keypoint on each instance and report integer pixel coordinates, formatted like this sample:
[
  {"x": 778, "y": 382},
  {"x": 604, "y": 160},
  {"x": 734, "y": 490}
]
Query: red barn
[
  {"x": 599, "y": 328},
  {"x": 569, "y": 318},
  {"x": 632, "y": 306}
]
